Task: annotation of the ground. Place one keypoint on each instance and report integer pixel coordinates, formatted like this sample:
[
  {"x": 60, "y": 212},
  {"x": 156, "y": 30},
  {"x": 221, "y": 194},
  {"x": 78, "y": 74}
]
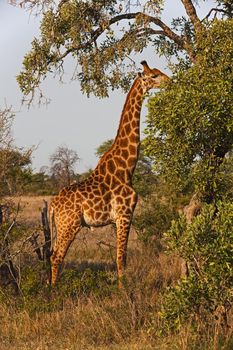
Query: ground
[{"x": 86, "y": 310}]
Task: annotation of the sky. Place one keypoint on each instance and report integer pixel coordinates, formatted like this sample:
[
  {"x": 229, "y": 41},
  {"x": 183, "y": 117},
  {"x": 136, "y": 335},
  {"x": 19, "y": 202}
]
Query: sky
[{"x": 71, "y": 119}]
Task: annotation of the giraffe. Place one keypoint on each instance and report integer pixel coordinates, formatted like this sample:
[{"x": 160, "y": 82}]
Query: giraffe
[{"x": 107, "y": 195}]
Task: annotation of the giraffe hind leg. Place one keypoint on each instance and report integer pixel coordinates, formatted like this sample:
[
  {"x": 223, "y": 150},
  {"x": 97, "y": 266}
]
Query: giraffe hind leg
[{"x": 123, "y": 227}]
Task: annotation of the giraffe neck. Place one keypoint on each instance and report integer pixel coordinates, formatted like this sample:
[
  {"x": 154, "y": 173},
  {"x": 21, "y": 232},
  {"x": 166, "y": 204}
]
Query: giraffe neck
[
  {"x": 128, "y": 134},
  {"x": 120, "y": 160}
]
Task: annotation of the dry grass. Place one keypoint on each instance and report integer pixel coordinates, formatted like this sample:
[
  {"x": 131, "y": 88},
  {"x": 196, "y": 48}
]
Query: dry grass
[
  {"x": 113, "y": 319},
  {"x": 30, "y": 207},
  {"x": 120, "y": 320},
  {"x": 124, "y": 320}
]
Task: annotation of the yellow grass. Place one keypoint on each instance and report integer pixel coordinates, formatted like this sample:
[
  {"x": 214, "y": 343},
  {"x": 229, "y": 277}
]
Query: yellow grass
[
  {"x": 124, "y": 319},
  {"x": 30, "y": 207}
]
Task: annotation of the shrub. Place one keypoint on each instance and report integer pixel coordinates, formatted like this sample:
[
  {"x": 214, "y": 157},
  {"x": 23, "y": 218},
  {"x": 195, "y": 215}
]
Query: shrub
[
  {"x": 153, "y": 218},
  {"x": 207, "y": 246}
]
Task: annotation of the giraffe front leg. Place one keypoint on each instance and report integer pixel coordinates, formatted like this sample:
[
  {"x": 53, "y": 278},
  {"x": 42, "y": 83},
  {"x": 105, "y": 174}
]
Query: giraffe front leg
[
  {"x": 123, "y": 227},
  {"x": 61, "y": 247},
  {"x": 56, "y": 262}
]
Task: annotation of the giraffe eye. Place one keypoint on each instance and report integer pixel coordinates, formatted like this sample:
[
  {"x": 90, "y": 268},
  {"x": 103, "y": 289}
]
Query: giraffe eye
[{"x": 155, "y": 76}]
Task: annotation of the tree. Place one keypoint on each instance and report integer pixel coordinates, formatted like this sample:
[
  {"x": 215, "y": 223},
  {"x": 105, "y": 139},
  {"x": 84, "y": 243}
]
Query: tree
[
  {"x": 189, "y": 126},
  {"x": 63, "y": 162},
  {"x": 15, "y": 171},
  {"x": 40, "y": 184},
  {"x": 104, "y": 147},
  {"x": 102, "y": 38},
  {"x": 6, "y": 118}
]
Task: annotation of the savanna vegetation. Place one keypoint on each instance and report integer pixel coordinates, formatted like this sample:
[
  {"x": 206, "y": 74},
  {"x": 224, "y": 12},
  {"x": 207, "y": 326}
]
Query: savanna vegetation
[{"x": 178, "y": 287}]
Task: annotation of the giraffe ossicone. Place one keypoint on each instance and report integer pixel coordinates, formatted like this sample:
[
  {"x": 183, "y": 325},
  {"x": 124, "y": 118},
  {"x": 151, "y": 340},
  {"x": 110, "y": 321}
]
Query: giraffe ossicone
[{"x": 107, "y": 195}]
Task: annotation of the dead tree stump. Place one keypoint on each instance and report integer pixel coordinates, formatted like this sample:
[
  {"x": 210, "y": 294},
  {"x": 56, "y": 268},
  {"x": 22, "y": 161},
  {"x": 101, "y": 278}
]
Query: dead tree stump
[{"x": 47, "y": 233}]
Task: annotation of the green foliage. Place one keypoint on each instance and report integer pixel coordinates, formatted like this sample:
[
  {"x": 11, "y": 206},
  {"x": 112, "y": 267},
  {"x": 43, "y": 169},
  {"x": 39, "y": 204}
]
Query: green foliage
[
  {"x": 102, "y": 37},
  {"x": 72, "y": 28},
  {"x": 144, "y": 179},
  {"x": 189, "y": 125},
  {"x": 103, "y": 148},
  {"x": 153, "y": 218},
  {"x": 159, "y": 202},
  {"x": 40, "y": 184},
  {"x": 15, "y": 170},
  {"x": 207, "y": 246},
  {"x": 36, "y": 294},
  {"x": 75, "y": 284},
  {"x": 226, "y": 177}
]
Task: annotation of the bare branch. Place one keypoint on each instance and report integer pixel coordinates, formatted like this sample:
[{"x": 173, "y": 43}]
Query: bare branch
[
  {"x": 5, "y": 240},
  {"x": 213, "y": 10},
  {"x": 36, "y": 247},
  {"x": 167, "y": 30},
  {"x": 36, "y": 6}
]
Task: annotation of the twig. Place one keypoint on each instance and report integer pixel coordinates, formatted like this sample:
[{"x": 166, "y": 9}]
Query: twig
[
  {"x": 99, "y": 243},
  {"x": 5, "y": 240},
  {"x": 210, "y": 12},
  {"x": 36, "y": 248},
  {"x": 33, "y": 240},
  {"x": 110, "y": 246}
]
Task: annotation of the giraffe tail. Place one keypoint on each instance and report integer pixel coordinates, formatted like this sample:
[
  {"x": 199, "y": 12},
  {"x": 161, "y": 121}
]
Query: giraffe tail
[{"x": 52, "y": 228}]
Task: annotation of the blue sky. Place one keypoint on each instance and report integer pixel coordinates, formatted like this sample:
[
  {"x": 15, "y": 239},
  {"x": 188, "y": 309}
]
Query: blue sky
[{"x": 71, "y": 118}]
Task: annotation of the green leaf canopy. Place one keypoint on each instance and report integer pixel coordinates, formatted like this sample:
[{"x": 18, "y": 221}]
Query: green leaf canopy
[{"x": 190, "y": 123}]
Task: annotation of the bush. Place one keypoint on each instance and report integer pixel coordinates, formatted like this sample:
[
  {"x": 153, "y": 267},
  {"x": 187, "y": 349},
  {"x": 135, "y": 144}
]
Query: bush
[
  {"x": 37, "y": 295},
  {"x": 153, "y": 218},
  {"x": 207, "y": 246}
]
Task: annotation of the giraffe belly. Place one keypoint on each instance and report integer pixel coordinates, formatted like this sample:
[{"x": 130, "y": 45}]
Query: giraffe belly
[{"x": 96, "y": 219}]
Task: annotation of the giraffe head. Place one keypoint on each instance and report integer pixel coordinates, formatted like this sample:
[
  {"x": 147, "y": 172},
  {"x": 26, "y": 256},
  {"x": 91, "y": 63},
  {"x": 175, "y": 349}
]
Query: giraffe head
[{"x": 151, "y": 77}]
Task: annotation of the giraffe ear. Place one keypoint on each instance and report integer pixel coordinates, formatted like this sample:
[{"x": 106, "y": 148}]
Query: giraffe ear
[{"x": 145, "y": 66}]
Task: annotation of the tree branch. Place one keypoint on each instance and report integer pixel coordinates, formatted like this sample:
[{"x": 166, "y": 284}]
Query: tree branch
[
  {"x": 212, "y": 10},
  {"x": 149, "y": 31},
  {"x": 99, "y": 31},
  {"x": 167, "y": 30},
  {"x": 192, "y": 14}
]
